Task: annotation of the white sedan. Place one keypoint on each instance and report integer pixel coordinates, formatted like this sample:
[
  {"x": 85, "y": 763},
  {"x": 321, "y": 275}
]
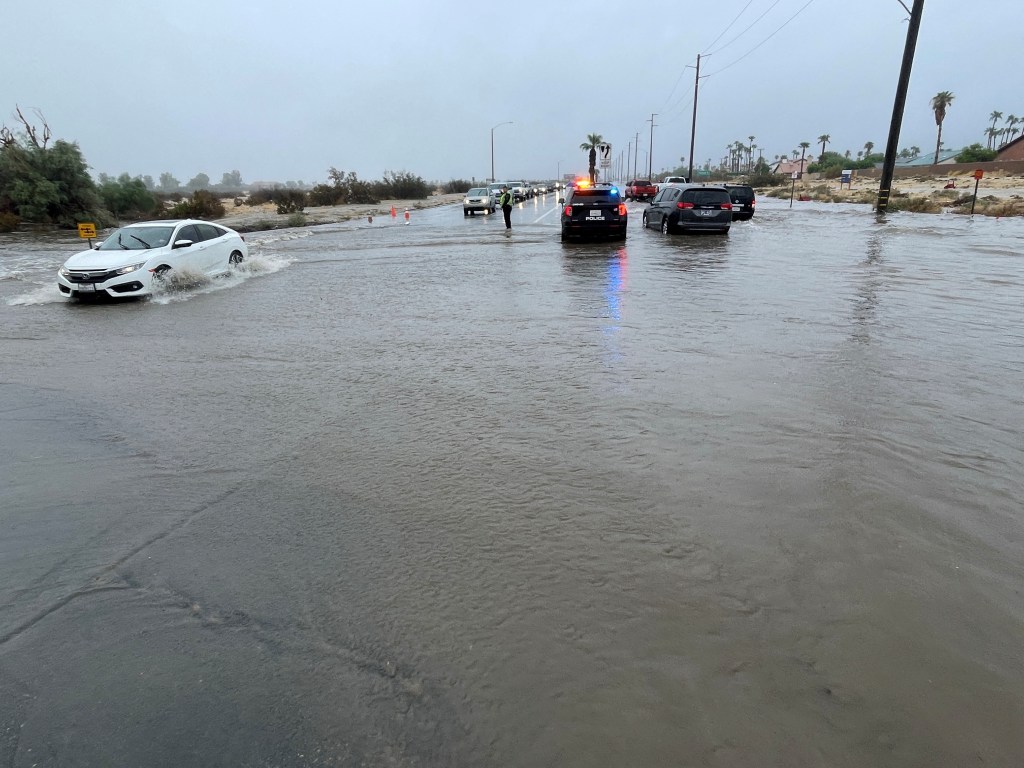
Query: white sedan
[{"x": 134, "y": 259}]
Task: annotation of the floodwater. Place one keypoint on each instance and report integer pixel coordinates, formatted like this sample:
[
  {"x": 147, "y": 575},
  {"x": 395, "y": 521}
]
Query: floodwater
[{"x": 428, "y": 495}]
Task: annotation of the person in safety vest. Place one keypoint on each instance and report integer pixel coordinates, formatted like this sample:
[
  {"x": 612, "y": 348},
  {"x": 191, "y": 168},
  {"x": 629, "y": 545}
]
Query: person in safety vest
[{"x": 505, "y": 201}]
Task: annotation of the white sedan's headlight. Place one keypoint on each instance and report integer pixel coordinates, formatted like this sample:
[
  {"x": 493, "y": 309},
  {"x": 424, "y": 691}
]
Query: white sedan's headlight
[
  {"x": 129, "y": 268},
  {"x": 465, "y": 201},
  {"x": 65, "y": 272}
]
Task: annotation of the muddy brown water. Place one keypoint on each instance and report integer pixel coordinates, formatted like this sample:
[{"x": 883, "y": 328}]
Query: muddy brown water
[{"x": 427, "y": 495}]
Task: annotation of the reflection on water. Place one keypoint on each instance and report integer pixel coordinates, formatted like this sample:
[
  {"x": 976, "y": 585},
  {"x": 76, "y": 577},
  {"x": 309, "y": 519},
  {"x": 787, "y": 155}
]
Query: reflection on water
[{"x": 865, "y": 303}]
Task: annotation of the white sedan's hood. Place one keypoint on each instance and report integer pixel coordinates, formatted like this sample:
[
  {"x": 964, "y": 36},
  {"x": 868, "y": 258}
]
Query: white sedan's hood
[{"x": 108, "y": 259}]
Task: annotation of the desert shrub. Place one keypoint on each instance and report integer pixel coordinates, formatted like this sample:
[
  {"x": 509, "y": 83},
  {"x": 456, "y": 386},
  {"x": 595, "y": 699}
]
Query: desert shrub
[
  {"x": 994, "y": 206},
  {"x": 290, "y": 200},
  {"x": 402, "y": 185},
  {"x": 260, "y": 196},
  {"x": 324, "y": 194},
  {"x": 350, "y": 189},
  {"x": 201, "y": 205},
  {"x": 766, "y": 179},
  {"x": 361, "y": 191},
  {"x": 9, "y": 221},
  {"x": 296, "y": 220},
  {"x": 914, "y": 204},
  {"x": 457, "y": 186}
]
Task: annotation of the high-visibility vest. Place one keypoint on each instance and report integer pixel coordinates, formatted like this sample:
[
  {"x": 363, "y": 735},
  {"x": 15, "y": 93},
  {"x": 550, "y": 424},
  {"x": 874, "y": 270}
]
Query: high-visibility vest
[{"x": 505, "y": 199}]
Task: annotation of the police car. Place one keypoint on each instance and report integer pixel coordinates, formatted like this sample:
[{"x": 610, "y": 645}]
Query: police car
[{"x": 593, "y": 210}]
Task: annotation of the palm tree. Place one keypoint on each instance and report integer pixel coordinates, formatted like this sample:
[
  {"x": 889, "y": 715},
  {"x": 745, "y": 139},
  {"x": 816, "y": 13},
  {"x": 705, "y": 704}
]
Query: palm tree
[
  {"x": 991, "y": 136},
  {"x": 915, "y": 151},
  {"x": 804, "y": 146},
  {"x": 940, "y": 102},
  {"x": 738, "y": 148},
  {"x": 823, "y": 140},
  {"x": 868, "y": 146},
  {"x": 750, "y": 152},
  {"x": 590, "y": 145},
  {"x": 991, "y": 132},
  {"x": 1011, "y": 121}
]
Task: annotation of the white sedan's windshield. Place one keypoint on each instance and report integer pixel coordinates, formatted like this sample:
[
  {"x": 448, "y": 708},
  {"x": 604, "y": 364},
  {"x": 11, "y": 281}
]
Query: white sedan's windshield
[
  {"x": 137, "y": 238},
  {"x": 476, "y": 192}
]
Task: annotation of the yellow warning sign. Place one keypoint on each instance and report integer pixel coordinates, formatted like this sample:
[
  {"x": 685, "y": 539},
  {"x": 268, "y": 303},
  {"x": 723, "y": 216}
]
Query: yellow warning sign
[{"x": 87, "y": 230}]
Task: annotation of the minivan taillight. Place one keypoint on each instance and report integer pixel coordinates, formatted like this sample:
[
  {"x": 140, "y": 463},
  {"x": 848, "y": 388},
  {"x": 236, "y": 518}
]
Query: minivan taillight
[
  {"x": 727, "y": 206},
  {"x": 684, "y": 205}
]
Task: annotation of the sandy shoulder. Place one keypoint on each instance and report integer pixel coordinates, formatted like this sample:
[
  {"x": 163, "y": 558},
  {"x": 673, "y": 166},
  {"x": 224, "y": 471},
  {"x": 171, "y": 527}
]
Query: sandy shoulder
[
  {"x": 251, "y": 218},
  {"x": 997, "y": 184}
]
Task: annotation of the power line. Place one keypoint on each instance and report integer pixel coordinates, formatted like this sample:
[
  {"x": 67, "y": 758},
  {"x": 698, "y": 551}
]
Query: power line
[
  {"x": 729, "y": 26},
  {"x": 749, "y": 27},
  {"x": 784, "y": 24}
]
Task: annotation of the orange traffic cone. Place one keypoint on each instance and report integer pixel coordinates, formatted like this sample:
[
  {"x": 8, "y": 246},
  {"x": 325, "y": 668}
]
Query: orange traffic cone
[
  {"x": 394, "y": 213},
  {"x": 406, "y": 215}
]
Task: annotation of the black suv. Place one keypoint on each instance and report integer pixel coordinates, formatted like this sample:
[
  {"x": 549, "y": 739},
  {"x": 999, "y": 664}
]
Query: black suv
[
  {"x": 690, "y": 208},
  {"x": 742, "y": 201},
  {"x": 594, "y": 210}
]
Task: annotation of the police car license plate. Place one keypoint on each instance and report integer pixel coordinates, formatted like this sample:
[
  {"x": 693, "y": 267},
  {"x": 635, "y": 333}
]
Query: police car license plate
[{"x": 86, "y": 287}]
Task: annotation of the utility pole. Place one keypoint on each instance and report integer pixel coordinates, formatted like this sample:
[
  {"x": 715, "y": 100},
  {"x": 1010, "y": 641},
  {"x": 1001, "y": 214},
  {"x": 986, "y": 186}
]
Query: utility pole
[
  {"x": 629, "y": 153},
  {"x": 650, "y": 155},
  {"x": 637, "y": 153},
  {"x": 889, "y": 164},
  {"x": 693, "y": 125}
]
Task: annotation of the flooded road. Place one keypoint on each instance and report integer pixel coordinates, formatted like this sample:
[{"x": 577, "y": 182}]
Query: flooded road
[{"x": 428, "y": 495}]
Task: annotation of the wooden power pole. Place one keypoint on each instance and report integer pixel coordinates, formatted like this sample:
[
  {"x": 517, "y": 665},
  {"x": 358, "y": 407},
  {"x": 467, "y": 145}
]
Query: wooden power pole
[{"x": 889, "y": 165}]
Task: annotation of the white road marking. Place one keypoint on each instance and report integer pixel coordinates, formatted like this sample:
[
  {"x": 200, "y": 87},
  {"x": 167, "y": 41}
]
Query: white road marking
[{"x": 545, "y": 215}]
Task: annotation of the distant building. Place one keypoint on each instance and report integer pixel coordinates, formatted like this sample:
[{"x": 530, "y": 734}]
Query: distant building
[
  {"x": 925, "y": 159},
  {"x": 789, "y": 167},
  {"x": 1013, "y": 150}
]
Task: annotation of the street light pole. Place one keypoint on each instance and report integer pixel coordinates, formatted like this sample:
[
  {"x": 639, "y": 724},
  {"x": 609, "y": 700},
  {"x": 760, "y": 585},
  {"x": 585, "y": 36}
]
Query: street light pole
[{"x": 507, "y": 122}]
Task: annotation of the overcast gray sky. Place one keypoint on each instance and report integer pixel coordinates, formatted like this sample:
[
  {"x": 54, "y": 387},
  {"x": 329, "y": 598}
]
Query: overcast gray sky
[{"x": 283, "y": 91}]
